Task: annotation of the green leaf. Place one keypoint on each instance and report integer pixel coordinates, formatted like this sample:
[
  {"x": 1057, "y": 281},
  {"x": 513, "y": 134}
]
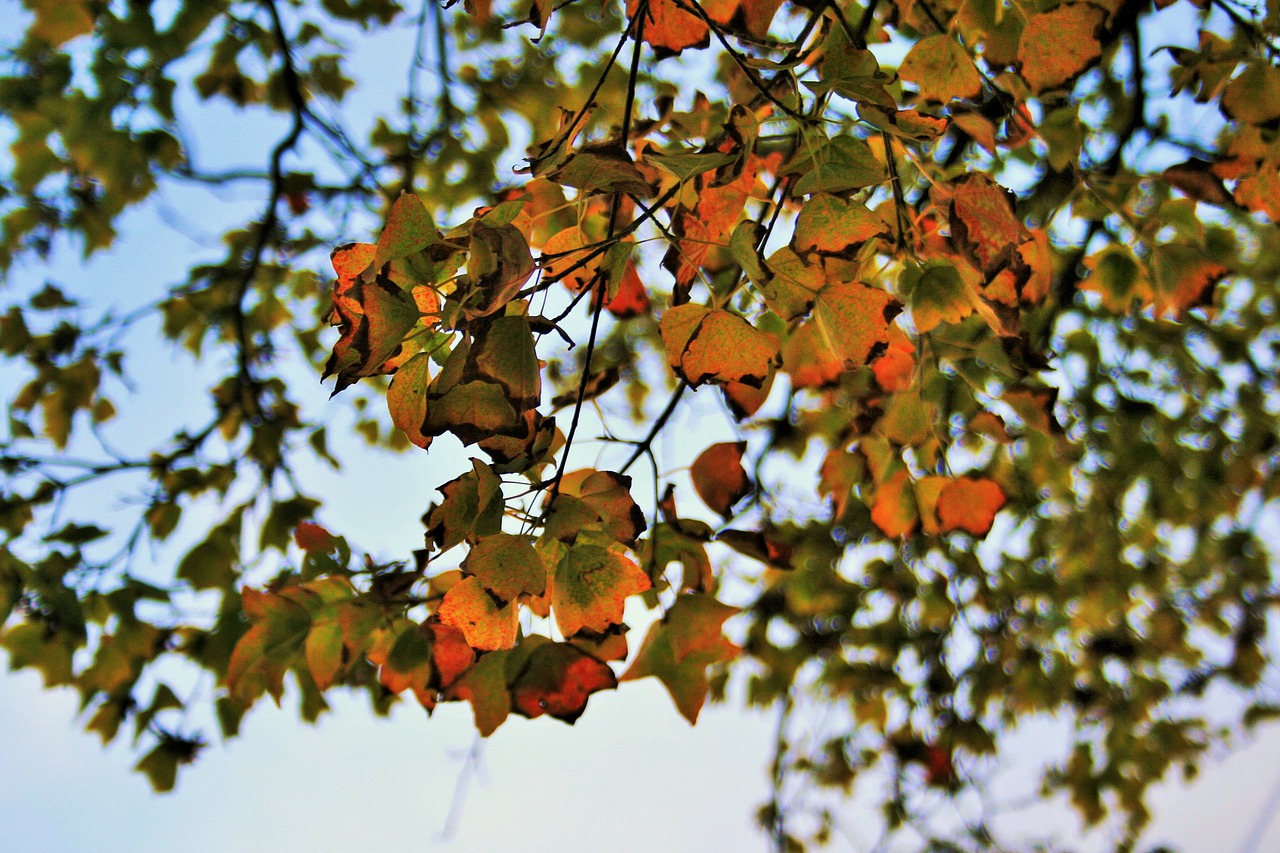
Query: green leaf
[
  {"x": 592, "y": 584},
  {"x": 835, "y": 166}
]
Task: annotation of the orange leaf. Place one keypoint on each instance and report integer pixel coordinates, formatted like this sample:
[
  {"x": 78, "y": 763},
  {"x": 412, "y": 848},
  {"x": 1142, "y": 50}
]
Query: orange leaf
[
  {"x": 716, "y": 345},
  {"x": 486, "y": 624},
  {"x": 719, "y": 478},
  {"x": 894, "y": 509},
  {"x": 312, "y": 537},
  {"x": 451, "y": 657},
  {"x": 631, "y": 298},
  {"x": 591, "y": 586},
  {"x": 969, "y": 504},
  {"x": 1058, "y": 45},
  {"x": 670, "y": 29},
  {"x": 983, "y": 224},
  {"x": 708, "y": 224},
  {"x": 894, "y": 369}
]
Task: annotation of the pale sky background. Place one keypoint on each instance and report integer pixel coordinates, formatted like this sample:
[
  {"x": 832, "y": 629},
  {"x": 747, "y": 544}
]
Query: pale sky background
[{"x": 632, "y": 775}]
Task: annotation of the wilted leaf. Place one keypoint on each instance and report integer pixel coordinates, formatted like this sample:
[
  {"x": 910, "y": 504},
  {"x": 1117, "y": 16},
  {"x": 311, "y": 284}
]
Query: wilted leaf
[{"x": 603, "y": 167}]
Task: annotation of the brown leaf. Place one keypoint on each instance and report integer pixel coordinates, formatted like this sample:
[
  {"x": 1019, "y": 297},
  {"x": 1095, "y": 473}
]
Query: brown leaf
[{"x": 719, "y": 478}]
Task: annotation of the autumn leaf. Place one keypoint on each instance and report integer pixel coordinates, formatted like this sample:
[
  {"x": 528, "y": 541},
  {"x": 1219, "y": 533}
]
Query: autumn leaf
[
  {"x": 373, "y": 317},
  {"x": 402, "y": 653},
  {"x": 603, "y": 167},
  {"x": 1060, "y": 44},
  {"x": 498, "y": 266},
  {"x": 832, "y": 225},
  {"x": 719, "y": 478},
  {"x": 969, "y": 504},
  {"x": 485, "y": 685},
  {"x": 792, "y": 283},
  {"x": 1184, "y": 277},
  {"x": 557, "y": 679},
  {"x": 310, "y": 536},
  {"x": 983, "y": 224},
  {"x": 507, "y": 565},
  {"x": 471, "y": 508},
  {"x": 894, "y": 509},
  {"x": 850, "y": 323},
  {"x": 679, "y": 648},
  {"x": 592, "y": 584},
  {"x": 935, "y": 294},
  {"x": 409, "y": 229},
  {"x": 896, "y": 366},
  {"x": 716, "y": 345},
  {"x": 407, "y": 398},
  {"x": 670, "y": 29},
  {"x": 852, "y": 72},
  {"x": 708, "y": 224},
  {"x": 835, "y": 166},
  {"x": 608, "y": 495},
  {"x": 941, "y": 69},
  {"x": 1118, "y": 276},
  {"x": 486, "y": 623}
]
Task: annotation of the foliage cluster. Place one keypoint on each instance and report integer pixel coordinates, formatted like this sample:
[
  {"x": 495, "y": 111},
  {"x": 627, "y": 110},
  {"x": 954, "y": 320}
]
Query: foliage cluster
[{"x": 998, "y": 277}]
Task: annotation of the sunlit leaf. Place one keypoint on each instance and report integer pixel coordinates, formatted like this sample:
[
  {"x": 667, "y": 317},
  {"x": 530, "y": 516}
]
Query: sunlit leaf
[
  {"x": 592, "y": 584},
  {"x": 486, "y": 623},
  {"x": 940, "y": 69},
  {"x": 716, "y": 345}
]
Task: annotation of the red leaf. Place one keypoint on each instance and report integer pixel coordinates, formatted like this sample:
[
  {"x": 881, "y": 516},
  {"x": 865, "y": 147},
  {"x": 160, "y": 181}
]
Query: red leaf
[
  {"x": 312, "y": 537},
  {"x": 557, "y": 679}
]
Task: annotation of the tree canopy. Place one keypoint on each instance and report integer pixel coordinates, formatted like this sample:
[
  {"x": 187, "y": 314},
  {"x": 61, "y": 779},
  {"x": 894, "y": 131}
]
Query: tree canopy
[{"x": 981, "y": 296}]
